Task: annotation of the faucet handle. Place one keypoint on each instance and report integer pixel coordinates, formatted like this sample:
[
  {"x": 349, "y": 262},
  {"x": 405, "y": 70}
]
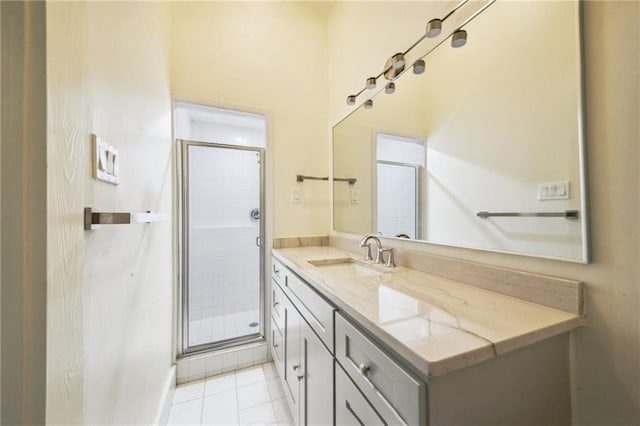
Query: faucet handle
[
  {"x": 380, "y": 256},
  {"x": 390, "y": 260}
]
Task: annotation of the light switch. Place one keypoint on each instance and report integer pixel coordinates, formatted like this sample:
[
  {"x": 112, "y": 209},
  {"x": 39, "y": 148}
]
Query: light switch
[
  {"x": 106, "y": 161},
  {"x": 296, "y": 195},
  {"x": 553, "y": 190},
  {"x": 561, "y": 190},
  {"x": 355, "y": 196}
]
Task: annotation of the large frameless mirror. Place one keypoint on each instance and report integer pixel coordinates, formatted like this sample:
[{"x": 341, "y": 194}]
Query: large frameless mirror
[{"x": 484, "y": 149}]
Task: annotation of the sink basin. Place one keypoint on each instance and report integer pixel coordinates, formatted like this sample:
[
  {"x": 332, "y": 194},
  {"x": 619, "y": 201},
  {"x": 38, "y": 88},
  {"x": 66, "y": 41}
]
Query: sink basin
[{"x": 347, "y": 266}]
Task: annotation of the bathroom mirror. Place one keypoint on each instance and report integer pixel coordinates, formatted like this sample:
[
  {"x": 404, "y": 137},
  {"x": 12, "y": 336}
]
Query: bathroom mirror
[{"x": 492, "y": 127}]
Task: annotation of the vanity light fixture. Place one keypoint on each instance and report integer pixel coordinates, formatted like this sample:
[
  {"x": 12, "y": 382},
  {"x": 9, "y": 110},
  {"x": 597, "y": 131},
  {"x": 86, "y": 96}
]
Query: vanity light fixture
[
  {"x": 419, "y": 66},
  {"x": 390, "y": 88},
  {"x": 434, "y": 28},
  {"x": 396, "y": 64},
  {"x": 371, "y": 83},
  {"x": 459, "y": 38}
]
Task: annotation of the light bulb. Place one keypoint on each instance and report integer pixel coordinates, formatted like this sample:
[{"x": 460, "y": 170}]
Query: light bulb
[
  {"x": 371, "y": 83},
  {"x": 459, "y": 38},
  {"x": 434, "y": 28}
]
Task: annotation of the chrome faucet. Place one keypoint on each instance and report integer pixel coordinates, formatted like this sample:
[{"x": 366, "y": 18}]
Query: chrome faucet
[
  {"x": 379, "y": 251},
  {"x": 365, "y": 243}
]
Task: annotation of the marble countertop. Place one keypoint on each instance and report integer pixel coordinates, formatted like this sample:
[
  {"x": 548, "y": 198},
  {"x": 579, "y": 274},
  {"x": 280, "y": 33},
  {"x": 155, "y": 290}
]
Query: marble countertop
[{"x": 436, "y": 324}]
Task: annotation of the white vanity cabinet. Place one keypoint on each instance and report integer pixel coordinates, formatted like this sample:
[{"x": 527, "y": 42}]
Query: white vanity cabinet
[
  {"x": 397, "y": 396},
  {"x": 306, "y": 366}
]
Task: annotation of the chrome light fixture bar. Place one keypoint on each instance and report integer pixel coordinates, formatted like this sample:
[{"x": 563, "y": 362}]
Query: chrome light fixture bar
[{"x": 396, "y": 64}]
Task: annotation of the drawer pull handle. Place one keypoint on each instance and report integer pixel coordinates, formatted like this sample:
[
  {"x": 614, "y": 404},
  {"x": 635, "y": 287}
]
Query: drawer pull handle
[
  {"x": 275, "y": 345},
  {"x": 275, "y": 304},
  {"x": 300, "y": 377},
  {"x": 364, "y": 369},
  {"x": 295, "y": 367}
]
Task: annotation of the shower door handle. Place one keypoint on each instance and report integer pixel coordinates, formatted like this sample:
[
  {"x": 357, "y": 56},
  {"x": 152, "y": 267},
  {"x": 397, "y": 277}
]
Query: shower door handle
[{"x": 259, "y": 241}]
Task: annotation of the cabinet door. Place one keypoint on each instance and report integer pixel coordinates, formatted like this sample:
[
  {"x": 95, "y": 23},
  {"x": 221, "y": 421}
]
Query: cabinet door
[
  {"x": 292, "y": 363},
  {"x": 277, "y": 304},
  {"x": 316, "y": 387},
  {"x": 277, "y": 347}
]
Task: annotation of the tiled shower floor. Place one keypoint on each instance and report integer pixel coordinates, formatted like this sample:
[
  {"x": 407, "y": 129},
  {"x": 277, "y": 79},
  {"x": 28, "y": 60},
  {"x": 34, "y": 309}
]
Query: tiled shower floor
[
  {"x": 215, "y": 329},
  {"x": 252, "y": 396}
]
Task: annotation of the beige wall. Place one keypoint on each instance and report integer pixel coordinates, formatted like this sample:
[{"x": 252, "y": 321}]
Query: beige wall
[
  {"x": 606, "y": 356},
  {"x": 269, "y": 58},
  {"x": 109, "y": 350}
]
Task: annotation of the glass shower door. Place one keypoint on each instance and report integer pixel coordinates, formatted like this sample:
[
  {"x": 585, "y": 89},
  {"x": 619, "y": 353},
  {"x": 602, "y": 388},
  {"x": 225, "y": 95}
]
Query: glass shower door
[{"x": 222, "y": 283}]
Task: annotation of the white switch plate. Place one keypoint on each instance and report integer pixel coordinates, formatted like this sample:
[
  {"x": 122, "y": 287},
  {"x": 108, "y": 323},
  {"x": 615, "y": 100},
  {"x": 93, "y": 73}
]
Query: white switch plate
[
  {"x": 553, "y": 190},
  {"x": 106, "y": 161},
  {"x": 296, "y": 196},
  {"x": 355, "y": 196}
]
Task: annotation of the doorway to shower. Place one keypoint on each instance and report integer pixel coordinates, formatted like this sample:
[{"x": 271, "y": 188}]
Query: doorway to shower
[{"x": 222, "y": 224}]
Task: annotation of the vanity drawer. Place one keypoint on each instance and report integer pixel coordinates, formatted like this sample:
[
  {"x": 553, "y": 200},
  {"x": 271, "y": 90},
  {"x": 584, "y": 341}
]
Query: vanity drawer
[
  {"x": 277, "y": 305},
  {"x": 278, "y": 271},
  {"x": 351, "y": 407},
  {"x": 397, "y": 395},
  {"x": 317, "y": 311},
  {"x": 277, "y": 347}
]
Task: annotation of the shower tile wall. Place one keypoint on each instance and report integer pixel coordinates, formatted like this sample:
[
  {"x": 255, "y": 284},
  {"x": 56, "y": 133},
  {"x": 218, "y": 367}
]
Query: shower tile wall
[
  {"x": 222, "y": 281},
  {"x": 224, "y": 259},
  {"x": 396, "y": 200}
]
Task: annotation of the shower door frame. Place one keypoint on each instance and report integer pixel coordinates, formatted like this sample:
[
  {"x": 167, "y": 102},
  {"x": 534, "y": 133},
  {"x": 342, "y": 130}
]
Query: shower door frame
[{"x": 183, "y": 187}]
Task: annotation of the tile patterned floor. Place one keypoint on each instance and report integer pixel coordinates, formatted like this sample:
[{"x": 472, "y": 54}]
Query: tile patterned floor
[{"x": 252, "y": 396}]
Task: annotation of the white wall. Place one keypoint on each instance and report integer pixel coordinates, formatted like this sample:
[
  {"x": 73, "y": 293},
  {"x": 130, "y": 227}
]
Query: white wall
[
  {"x": 271, "y": 58},
  {"x": 109, "y": 349},
  {"x": 606, "y": 352}
]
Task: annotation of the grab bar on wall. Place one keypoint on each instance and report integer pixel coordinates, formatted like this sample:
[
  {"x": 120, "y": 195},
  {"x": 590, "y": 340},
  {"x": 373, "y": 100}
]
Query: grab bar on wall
[
  {"x": 301, "y": 178},
  {"x": 567, "y": 214},
  {"x": 93, "y": 219}
]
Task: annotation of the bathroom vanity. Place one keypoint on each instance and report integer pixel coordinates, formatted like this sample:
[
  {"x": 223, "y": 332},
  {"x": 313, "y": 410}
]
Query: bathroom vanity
[{"x": 358, "y": 343}]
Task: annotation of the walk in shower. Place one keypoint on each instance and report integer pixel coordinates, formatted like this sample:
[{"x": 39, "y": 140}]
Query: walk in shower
[{"x": 222, "y": 204}]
